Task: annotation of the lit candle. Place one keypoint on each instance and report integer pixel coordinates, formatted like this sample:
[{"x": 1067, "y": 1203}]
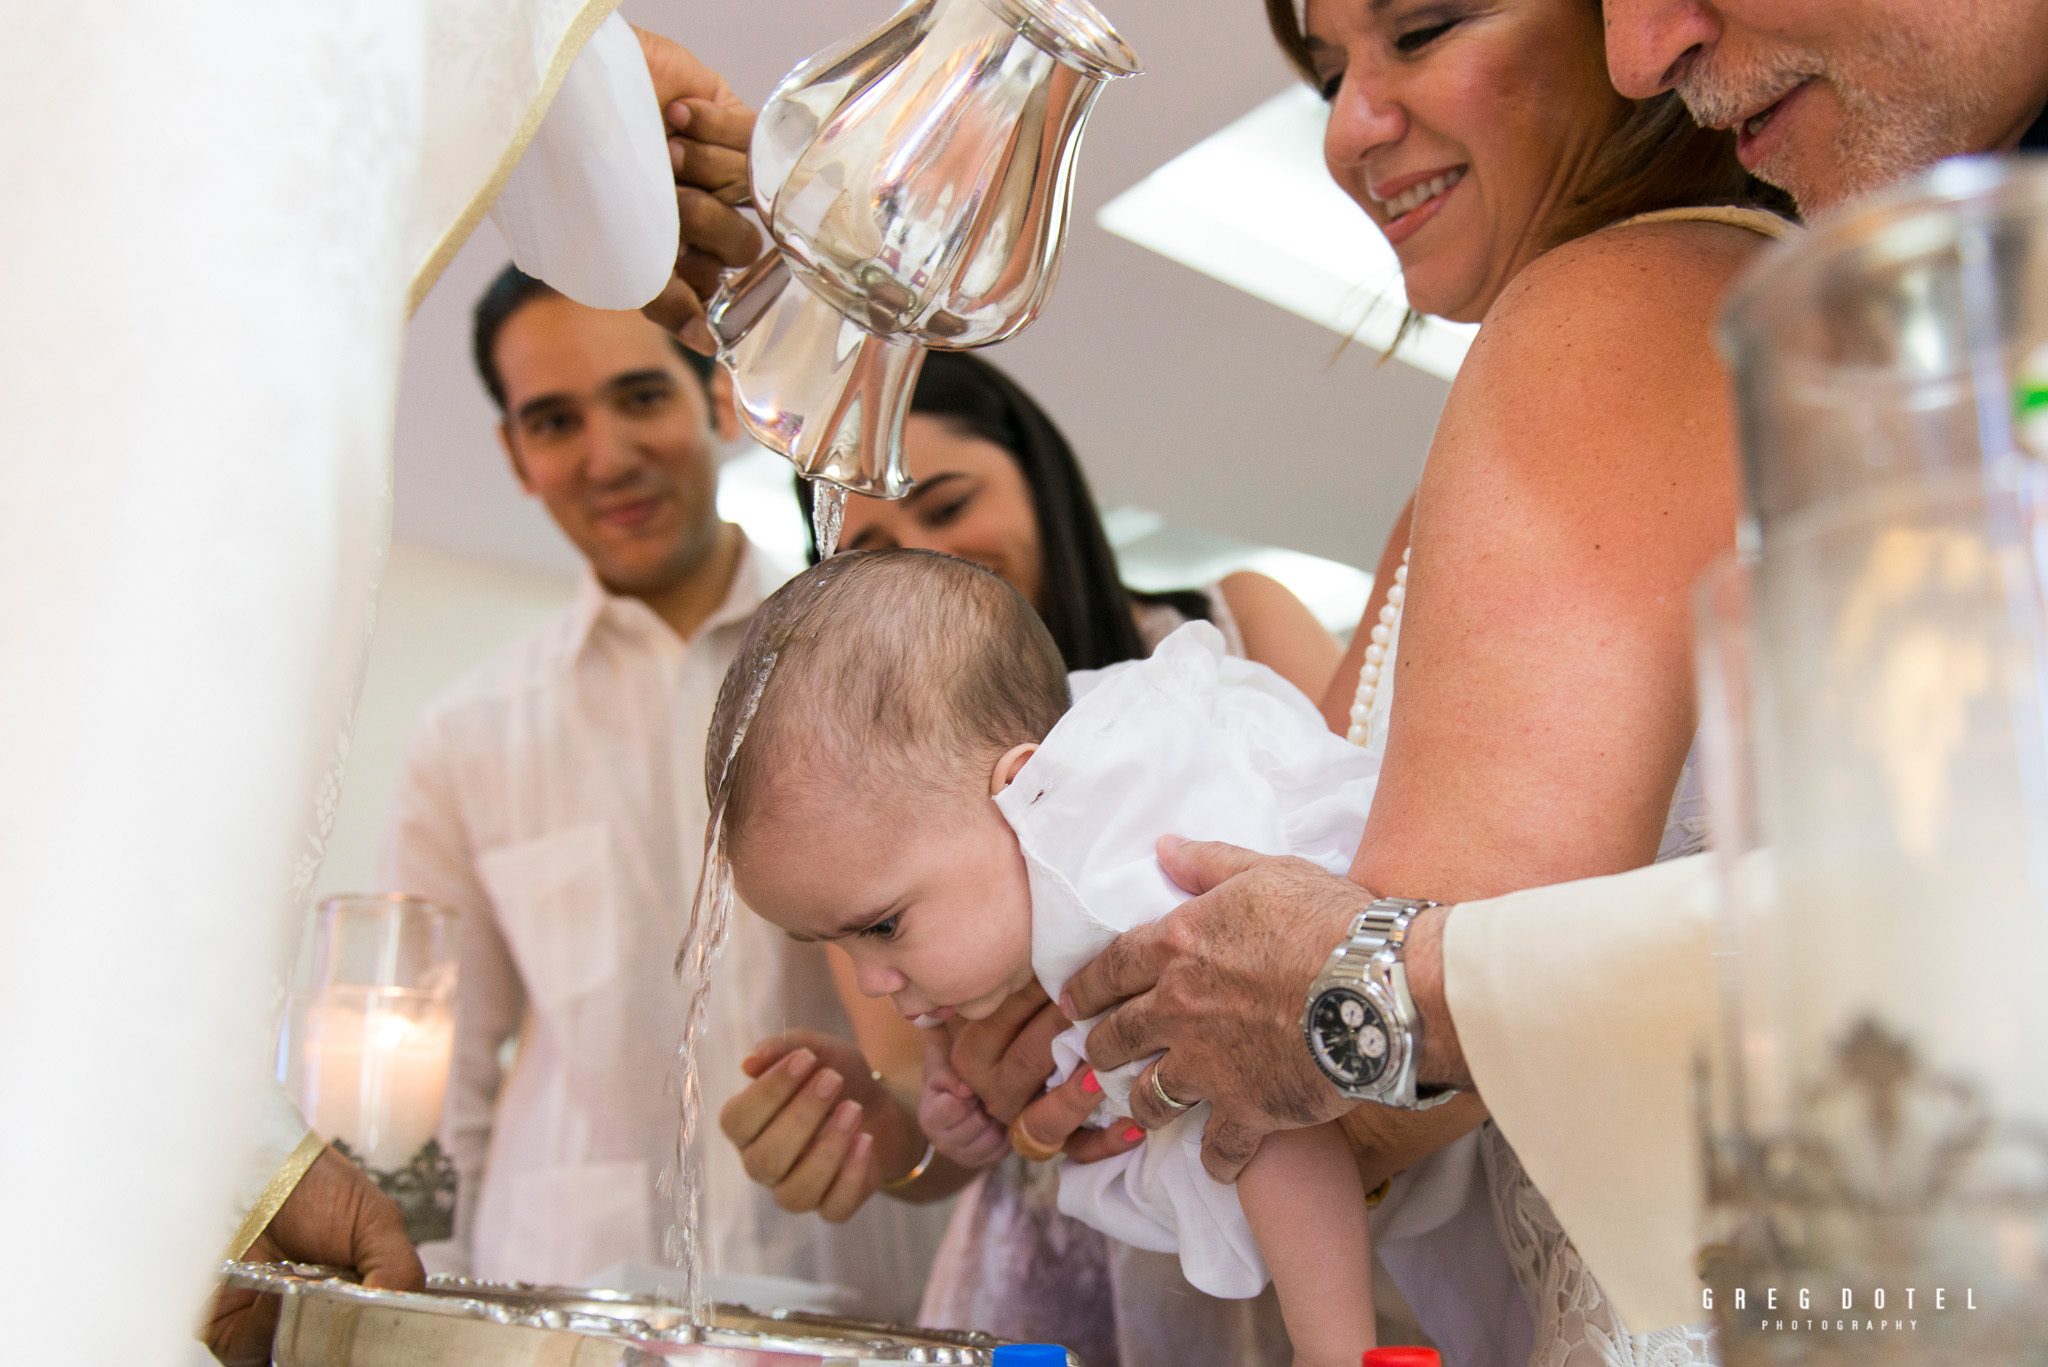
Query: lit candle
[{"x": 373, "y": 1067}]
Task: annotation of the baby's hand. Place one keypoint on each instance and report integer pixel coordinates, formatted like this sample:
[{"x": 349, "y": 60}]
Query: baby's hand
[{"x": 951, "y": 1115}]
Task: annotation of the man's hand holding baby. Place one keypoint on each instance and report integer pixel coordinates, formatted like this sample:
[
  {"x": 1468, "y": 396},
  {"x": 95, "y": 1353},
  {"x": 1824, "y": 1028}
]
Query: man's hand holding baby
[{"x": 1218, "y": 984}]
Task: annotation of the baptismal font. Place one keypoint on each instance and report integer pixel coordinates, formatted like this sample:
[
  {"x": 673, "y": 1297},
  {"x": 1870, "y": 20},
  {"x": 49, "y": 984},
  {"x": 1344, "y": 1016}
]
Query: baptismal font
[{"x": 1875, "y": 700}]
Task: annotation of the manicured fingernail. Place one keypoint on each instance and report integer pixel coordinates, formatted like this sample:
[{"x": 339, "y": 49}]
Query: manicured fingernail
[
  {"x": 863, "y": 1144},
  {"x": 846, "y": 1115},
  {"x": 828, "y": 1083},
  {"x": 1089, "y": 1082},
  {"x": 1133, "y": 1135},
  {"x": 800, "y": 1062},
  {"x": 1067, "y": 1007}
]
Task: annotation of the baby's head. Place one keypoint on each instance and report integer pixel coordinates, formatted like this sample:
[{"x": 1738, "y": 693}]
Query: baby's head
[{"x": 904, "y": 689}]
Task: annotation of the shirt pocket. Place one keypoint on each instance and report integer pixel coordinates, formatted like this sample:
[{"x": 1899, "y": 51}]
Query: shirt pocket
[{"x": 557, "y": 901}]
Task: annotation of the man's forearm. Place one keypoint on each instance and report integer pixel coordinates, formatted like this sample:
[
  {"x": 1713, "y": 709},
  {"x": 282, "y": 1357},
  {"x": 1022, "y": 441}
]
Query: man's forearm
[{"x": 1443, "y": 1062}]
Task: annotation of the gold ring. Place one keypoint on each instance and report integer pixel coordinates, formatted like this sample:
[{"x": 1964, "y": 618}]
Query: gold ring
[
  {"x": 1030, "y": 1145},
  {"x": 1165, "y": 1098}
]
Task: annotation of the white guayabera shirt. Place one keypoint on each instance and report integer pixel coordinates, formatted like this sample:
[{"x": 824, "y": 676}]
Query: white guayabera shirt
[{"x": 555, "y": 798}]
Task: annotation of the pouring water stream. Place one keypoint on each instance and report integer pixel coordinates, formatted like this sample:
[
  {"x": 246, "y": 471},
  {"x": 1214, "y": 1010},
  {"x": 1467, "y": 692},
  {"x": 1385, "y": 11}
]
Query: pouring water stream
[{"x": 828, "y": 515}]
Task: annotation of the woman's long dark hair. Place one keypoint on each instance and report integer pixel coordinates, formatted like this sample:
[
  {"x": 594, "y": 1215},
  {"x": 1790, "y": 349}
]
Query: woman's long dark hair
[{"x": 1084, "y": 604}]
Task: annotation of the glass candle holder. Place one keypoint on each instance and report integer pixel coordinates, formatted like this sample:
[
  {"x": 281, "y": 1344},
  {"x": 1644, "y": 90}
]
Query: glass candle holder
[{"x": 365, "y": 1046}]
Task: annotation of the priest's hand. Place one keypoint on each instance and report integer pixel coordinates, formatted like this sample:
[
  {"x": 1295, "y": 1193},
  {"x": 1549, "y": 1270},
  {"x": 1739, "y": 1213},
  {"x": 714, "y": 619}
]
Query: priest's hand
[
  {"x": 709, "y": 130},
  {"x": 816, "y": 1127},
  {"x": 337, "y": 1216},
  {"x": 1219, "y": 985}
]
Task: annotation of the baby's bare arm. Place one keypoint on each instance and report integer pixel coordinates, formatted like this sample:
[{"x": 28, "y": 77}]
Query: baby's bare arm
[{"x": 1306, "y": 1207}]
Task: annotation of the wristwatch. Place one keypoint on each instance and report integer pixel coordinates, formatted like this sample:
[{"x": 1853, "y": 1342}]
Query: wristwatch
[{"x": 1360, "y": 1022}]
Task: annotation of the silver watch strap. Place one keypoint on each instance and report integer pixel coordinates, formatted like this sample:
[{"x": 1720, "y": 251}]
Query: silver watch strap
[
  {"x": 1385, "y": 923},
  {"x": 1383, "y": 927}
]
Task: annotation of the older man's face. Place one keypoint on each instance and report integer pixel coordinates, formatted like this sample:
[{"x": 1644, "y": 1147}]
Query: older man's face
[{"x": 1830, "y": 98}]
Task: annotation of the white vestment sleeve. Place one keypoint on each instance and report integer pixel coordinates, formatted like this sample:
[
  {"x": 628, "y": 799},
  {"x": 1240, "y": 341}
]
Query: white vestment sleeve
[
  {"x": 591, "y": 207},
  {"x": 427, "y": 853},
  {"x": 1580, "y": 1009}
]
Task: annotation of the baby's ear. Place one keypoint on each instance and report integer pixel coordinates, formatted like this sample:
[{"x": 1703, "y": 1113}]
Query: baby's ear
[{"x": 1007, "y": 767}]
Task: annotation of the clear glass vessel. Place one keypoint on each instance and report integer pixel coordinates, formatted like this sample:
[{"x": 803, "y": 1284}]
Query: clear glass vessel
[
  {"x": 813, "y": 385},
  {"x": 365, "y": 1045},
  {"x": 920, "y": 178},
  {"x": 1878, "y": 1132}
]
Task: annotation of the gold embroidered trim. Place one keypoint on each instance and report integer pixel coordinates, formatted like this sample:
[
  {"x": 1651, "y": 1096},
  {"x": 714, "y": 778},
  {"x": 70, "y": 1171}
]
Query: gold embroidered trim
[
  {"x": 573, "y": 39},
  {"x": 274, "y": 1195}
]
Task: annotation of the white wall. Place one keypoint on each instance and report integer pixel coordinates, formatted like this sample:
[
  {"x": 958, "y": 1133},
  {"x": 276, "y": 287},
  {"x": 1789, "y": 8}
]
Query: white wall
[{"x": 438, "y": 614}]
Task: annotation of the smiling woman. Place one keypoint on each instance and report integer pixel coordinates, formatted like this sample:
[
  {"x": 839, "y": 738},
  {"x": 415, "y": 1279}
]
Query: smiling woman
[
  {"x": 1515, "y": 91},
  {"x": 1528, "y": 686}
]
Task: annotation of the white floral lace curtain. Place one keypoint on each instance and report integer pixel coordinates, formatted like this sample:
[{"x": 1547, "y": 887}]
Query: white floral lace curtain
[{"x": 214, "y": 214}]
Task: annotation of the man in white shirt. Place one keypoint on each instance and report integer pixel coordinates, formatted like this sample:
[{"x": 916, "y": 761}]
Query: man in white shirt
[{"x": 555, "y": 798}]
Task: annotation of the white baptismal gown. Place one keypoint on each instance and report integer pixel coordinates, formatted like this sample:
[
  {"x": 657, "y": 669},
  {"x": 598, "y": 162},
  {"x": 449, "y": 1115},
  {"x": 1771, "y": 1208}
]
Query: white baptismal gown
[{"x": 1201, "y": 745}]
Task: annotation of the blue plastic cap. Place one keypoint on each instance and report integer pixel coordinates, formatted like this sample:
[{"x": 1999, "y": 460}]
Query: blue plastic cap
[{"x": 1031, "y": 1355}]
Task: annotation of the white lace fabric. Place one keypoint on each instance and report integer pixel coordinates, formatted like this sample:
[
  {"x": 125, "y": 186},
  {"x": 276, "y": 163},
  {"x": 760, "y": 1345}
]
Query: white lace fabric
[{"x": 1576, "y": 1324}]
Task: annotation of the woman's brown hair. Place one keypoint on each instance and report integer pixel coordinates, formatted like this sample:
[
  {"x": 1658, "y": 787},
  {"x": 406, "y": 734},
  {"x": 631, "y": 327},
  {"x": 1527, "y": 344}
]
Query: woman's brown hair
[{"x": 1656, "y": 158}]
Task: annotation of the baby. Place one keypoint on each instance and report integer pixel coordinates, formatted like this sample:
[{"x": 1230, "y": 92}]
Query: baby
[{"x": 914, "y": 784}]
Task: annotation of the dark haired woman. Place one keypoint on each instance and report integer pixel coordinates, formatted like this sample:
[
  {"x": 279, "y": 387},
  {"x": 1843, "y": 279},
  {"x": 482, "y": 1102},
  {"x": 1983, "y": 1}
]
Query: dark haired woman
[{"x": 997, "y": 484}]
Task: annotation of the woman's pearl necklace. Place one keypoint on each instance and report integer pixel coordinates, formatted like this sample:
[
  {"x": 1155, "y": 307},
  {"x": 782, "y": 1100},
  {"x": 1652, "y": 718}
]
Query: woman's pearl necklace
[{"x": 1376, "y": 651}]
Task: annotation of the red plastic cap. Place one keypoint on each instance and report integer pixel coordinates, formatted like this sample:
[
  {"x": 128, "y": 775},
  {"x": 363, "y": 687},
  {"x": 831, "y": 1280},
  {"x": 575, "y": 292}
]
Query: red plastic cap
[{"x": 1402, "y": 1356}]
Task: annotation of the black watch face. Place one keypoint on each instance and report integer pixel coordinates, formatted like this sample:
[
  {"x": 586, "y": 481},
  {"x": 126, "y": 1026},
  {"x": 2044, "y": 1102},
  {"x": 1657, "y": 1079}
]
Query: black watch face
[{"x": 1350, "y": 1035}]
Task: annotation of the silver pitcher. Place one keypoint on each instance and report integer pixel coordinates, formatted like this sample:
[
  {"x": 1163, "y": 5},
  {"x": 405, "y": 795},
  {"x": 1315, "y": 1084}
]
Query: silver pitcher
[
  {"x": 1886, "y": 1134},
  {"x": 812, "y": 384},
  {"x": 916, "y": 181},
  {"x": 929, "y": 168}
]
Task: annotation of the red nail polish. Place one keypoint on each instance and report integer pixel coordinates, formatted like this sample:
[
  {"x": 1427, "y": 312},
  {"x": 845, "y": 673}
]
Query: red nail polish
[
  {"x": 1089, "y": 1082},
  {"x": 1133, "y": 1135}
]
